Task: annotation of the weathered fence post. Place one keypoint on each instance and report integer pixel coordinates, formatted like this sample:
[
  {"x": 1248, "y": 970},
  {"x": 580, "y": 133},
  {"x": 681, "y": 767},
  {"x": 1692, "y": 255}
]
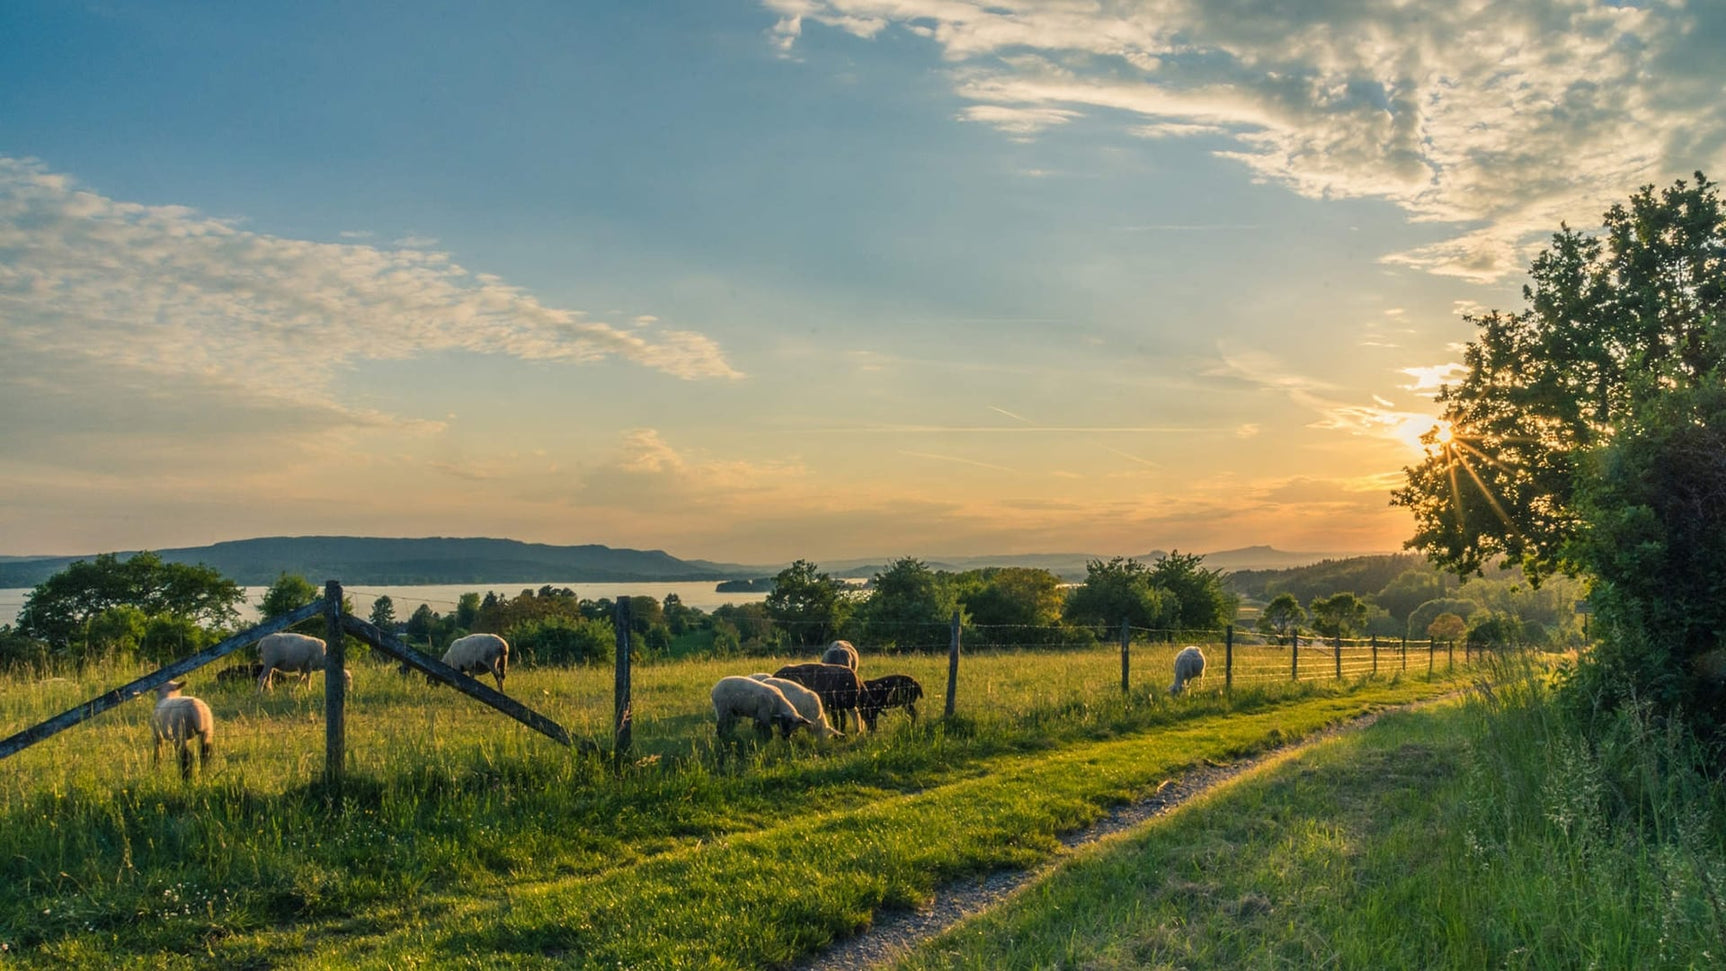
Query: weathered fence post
[
  {"x": 1294, "y": 656},
  {"x": 335, "y": 687},
  {"x": 1431, "y": 649},
  {"x": 1375, "y": 655},
  {"x": 1336, "y": 649},
  {"x": 1229, "y": 658},
  {"x": 953, "y": 667},
  {"x": 623, "y": 714},
  {"x": 1450, "y": 655},
  {"x": 1126, "y": 639},
  {"x": 1405, "y": 652}
]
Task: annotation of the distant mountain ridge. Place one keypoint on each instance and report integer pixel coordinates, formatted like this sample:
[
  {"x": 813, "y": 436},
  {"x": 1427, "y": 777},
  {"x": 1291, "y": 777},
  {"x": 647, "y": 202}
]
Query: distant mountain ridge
[{"x": 355, "y": 560}]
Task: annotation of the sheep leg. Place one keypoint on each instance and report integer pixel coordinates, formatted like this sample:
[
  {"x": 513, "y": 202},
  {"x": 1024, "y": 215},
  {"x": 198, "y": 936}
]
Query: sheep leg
[{"x": 185, "y": 759}]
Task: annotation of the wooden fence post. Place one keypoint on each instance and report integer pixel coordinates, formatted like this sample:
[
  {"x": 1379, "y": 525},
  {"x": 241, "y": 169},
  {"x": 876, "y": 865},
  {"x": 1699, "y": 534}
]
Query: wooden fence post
[
  {"x": 1294, "y": 656},
  {"x": 1405, "y": 652},
  {"x": 953, "y": 667},
  {"x": 1450, "y": 655},
  {"x": 1375, "y": 655},
  {"x": 1431, "y": 649},
  {"x": 335, "y": 687},
  {"x": 1229, "y": 658},
  {"x": 623, "y": 714},
  {"x": 1126, "y": 639},
  {"x": 1336, "y": 649}
]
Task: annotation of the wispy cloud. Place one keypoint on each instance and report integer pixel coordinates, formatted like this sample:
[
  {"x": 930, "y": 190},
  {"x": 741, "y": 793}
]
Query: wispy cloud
[
  {"x": 957, "y": 460},
  {"x": 1506, "y": 118},
  {"x": 163, "y": 292}
]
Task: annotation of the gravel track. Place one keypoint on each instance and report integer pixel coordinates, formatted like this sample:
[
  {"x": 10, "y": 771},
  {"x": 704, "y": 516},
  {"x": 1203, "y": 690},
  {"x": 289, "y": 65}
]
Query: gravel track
[{"x": 895, "y": 932}]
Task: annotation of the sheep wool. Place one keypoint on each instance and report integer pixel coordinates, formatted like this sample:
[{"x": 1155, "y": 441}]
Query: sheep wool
[
  {"x": 840, "y": 652},
  {"x": 807, "y": 703},
  {"x": 479, "y": 652},
  {"x": 737, "y": 697},
  {"x": 1189, "y": 664},
  {"x": 287, "y": 651},
  {"x": 178, "y": 719}
]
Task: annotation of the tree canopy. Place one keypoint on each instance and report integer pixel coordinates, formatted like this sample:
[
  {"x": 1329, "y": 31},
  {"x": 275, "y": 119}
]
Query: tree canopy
[
  {"x": 58, "y": 609},
  {"x": 1587, "y": 436},
  {"x": 1613, "y": 322},
  {"x": 807, "y": 604}
]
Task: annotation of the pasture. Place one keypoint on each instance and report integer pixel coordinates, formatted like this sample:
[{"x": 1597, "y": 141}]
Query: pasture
[{"x": 463, "y": 837}]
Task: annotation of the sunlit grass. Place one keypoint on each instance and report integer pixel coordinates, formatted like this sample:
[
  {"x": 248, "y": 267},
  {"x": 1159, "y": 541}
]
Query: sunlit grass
[{"x": 449, "y": 807}]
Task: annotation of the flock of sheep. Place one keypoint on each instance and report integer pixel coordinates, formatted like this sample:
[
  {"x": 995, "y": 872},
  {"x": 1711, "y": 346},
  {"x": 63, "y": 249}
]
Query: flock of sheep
[
  {"x": 795, "y": 696},
  {"x": 803, "y": 695}
]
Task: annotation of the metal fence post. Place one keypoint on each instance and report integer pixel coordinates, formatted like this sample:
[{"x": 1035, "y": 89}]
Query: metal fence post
[{"x": 335, "y": 687}]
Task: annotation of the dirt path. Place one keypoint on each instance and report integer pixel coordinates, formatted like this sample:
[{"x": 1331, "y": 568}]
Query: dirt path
[{"x": 896, "y": 932}]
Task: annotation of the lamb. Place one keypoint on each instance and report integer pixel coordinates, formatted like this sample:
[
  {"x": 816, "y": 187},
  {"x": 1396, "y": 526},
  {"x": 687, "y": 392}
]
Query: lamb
[
  {"x": 479, "y": 652},
  {"x": 839, "y": 687},
  {"x": 239, "y": 672},
  {"x": 1189, "y": 664},
  {"x": 840, "y": 652},
  {"x": 737, "y": 697},
  {"x": 892, "y": 691},
  {"x": 807, "y": 703},
  {"x": 177, "y": 719},
  {"x": 287, "y": 651}
]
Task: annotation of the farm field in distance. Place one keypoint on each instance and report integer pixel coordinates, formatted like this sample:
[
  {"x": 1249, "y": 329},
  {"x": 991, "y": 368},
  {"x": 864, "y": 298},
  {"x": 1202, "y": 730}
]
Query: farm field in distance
[{"x": 467, "y": 839}]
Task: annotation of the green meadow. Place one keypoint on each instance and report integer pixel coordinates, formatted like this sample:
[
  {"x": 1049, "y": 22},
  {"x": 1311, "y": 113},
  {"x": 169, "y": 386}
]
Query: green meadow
[{"x": 462, "y": 838}]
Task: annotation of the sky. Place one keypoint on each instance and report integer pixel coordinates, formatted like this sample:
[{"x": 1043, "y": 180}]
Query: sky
[{"x": 758, "y": 280}]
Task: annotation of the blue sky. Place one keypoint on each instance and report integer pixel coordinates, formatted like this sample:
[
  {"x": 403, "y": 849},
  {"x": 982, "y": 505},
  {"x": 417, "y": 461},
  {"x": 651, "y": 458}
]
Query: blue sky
[{"x": 797, "y": 278}]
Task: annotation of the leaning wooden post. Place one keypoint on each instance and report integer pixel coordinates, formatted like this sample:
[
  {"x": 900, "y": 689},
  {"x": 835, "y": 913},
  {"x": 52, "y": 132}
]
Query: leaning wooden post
[
  {"x": 953, "y": 666},
  {"x": 1229, "y": 658},
  {"x": 1126, "y": 639},
  {"x": 335, "y": 686},
  {"x": 1294, "y": 656},
  {"x": 623, "y": 714}
]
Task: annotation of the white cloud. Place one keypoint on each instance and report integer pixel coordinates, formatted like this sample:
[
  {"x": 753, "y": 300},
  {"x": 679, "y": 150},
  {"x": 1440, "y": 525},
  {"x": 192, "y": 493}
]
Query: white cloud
[
  {"x": 162, "y": 293},
  {"x": 1428, "y": 380},
  {"x": 1508, "y": 117}
]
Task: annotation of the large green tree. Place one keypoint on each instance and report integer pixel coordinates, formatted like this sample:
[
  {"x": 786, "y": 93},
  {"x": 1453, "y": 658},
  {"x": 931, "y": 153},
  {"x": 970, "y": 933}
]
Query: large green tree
[
  {"x": 808, "y": 605},
  {"x": 910, "y": 608},
  {"x": 1614, "y": 321},
  {"x": 1204, "y": 602},
  {"x": 58, "y": 610},
  {"x": 1121, "y": 590},
  {"x": 1585, "y": 436}
]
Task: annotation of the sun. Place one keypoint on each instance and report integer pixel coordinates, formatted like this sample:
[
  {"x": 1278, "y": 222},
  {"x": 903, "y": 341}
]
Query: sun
[{"x": 1443, "y": 433}]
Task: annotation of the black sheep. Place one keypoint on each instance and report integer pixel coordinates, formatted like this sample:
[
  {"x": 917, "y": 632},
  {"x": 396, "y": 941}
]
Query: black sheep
[{"x": 892, "y": 691}]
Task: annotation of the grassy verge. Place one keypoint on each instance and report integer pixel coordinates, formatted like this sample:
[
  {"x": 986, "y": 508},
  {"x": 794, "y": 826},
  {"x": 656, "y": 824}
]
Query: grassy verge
[
  {"x": 1472, "y": 835},
  {"x": 465, "y": 839}
]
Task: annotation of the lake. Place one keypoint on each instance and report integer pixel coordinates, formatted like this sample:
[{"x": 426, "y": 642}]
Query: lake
[{"x": 699, "y": 594}]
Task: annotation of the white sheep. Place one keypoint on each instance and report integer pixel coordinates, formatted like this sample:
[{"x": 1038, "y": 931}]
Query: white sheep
[
  {"x": 840, "y": 652},
  {"x": 737, "y": 697},
  {"x": 479, "y": 652},
  {"x": 177, "y": 719},
  {"x": 807, "y": 703},
  {"x": 287, "y": 651},
  {"x": 1189, "y": 664}
]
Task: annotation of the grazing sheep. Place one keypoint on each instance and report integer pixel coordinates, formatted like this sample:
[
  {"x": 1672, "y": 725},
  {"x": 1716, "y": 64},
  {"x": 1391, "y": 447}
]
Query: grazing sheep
[
  {"x": 840, "y": 652},
  {"x": 1189, "y": 664},
  {"x": 892, "y": 691},
  {"x": 839, "y": 687},
  {"x": 807, "y": 703},
  {"x": 287, "y": 651},
  {"x": 479, "y": 652},
  {"x": 177, "y": 719},
  {"x": 737, "y": 697}
]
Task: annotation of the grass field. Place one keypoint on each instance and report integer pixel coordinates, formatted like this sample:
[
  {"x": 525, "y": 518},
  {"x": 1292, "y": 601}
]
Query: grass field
[
  {"x": 1478, "y": 833},
  {"x": 466, "y": 839}
]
